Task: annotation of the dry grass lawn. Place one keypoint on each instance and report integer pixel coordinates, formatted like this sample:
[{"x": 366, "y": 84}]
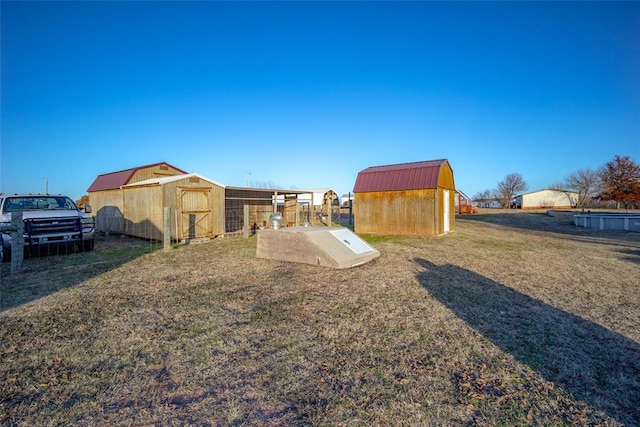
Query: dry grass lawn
[{"x": 513, "y": 319}]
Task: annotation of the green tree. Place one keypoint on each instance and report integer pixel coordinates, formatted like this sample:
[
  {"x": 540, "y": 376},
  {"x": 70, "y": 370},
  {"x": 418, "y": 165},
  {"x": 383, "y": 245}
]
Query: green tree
[{"x": 620, "y": 181}]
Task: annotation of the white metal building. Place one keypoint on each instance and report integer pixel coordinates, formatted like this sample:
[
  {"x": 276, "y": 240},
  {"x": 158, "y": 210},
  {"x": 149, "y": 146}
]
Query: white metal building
[{"x": 547, "y": 198}]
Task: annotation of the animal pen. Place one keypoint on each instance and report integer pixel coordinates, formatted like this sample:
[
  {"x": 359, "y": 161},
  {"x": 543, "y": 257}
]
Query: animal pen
[{"x": 249, "y": 209}]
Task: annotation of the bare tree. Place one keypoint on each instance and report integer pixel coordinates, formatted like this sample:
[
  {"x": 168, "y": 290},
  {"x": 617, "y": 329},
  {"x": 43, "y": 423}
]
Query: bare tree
[
  {"x": 585, "y": 182},
  {"x": 485, "y": 197},
  {"x": 620, "y": 181},
  {"x": 509, "y": 187}
]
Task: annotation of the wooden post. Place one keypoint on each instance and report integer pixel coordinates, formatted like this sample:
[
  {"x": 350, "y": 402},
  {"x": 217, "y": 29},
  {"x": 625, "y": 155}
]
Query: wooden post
[
  {"x": 167, "y": 228},
  {"x": 328, "y": 211},
  {"x": 297, "y": 212},
  {"x": 245, "y": 222},
  {"x": 17, "y": 242}
]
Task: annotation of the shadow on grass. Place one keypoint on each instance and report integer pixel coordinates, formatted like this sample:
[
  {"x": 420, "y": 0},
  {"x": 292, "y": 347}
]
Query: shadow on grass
[
  {"x": 544, "y": 223},
  {"x": 632, "y": 255},
  {"x": 48, "y": 273},
  {"x": 594, "y": 364}
]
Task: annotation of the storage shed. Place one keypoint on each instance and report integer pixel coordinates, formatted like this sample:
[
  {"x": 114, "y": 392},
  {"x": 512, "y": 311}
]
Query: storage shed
[
  {"x": 106, "y": 195},
  {"x": 133, "y": 202},
  {"x": 405, "y": 199},
  {"x": 196, "y": 207}
]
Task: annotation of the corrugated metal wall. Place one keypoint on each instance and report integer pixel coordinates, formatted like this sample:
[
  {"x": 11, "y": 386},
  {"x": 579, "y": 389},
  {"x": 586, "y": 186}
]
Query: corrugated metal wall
[{"x": 548, "y": 199}]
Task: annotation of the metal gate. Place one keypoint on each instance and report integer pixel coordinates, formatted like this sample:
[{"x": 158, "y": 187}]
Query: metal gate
[{"x": 194, "y": 206}]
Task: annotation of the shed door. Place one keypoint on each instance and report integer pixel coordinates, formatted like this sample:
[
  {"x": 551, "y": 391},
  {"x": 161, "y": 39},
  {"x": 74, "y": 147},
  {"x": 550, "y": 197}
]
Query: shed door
[
  {"x": 446, "y": 203},
  {"x": 195, "y": 213}
]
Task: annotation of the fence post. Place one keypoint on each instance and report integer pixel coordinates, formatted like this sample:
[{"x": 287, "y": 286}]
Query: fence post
[
  {"x": 17, "y": 242},
  {"x": 167, "y": 228},
  {"x": 245, "y": 222},
  {"x": 350, "y": 210}
]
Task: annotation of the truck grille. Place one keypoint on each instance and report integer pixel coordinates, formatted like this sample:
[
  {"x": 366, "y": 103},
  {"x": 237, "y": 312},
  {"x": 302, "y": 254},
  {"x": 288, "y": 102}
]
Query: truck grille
[{"x": 43, "y": 226}]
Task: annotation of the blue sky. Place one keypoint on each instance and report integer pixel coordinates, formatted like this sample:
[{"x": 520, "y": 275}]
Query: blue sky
[{"x": 307, "y": 94}]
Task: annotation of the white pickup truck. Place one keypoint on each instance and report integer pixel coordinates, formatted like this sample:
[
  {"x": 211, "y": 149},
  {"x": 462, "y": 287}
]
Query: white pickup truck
[{"x": 49, "y": 221}]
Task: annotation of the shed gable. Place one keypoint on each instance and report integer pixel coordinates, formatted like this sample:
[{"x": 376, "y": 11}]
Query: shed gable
[{"x": 115, "y": 180}]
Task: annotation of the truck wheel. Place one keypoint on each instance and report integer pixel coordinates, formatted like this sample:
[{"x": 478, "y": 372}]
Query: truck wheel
[
  {"x": 5, "y": 253},
  {"x": 87, "y": 245}
]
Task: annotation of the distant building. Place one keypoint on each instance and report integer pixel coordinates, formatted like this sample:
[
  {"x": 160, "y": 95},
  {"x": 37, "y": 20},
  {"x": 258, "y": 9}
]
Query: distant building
[
  {"x": 317, "y": 197},
  {"x": 346, "y": 200},
  {"x": 548, "y": 198}
]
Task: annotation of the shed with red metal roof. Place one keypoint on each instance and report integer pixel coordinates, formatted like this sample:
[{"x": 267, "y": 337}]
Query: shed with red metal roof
[
  {"x": 405, "y": 199},
  {"x": 130, "y": 201}
]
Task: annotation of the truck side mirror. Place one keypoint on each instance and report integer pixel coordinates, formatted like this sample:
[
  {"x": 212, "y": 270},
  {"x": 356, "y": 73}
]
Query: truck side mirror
[{"x": 87, "y": 208}]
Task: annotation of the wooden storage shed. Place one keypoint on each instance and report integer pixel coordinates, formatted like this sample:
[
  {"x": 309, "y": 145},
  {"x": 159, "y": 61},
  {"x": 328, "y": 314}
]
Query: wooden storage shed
[
  {"x": 125, "y": 204},
  {"x": 106, "y": 195},
  {"x": 405, "y": 199},
  {"x": 196, "y": 207}
]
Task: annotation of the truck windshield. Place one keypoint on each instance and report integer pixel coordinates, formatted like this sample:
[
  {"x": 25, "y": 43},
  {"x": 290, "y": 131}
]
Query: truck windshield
[{"x": 24, "y": 203}]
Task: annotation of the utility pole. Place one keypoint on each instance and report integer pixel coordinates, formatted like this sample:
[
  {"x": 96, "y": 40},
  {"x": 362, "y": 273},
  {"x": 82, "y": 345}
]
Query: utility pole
[
  {"x": 248, "y": 175},
  {"x": 46, "y": 185}
]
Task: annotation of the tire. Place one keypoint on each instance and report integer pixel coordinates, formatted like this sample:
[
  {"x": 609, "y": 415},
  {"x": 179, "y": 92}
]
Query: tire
[
  {"x": 5, "y": 252},
  {"x": 87, "y": 245}
]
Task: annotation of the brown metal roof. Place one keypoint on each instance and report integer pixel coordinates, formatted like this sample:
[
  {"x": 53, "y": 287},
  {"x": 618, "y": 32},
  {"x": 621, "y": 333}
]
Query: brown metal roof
[
  {"x": 403, "y": 176},
  {"x": 113, "y": 180}
]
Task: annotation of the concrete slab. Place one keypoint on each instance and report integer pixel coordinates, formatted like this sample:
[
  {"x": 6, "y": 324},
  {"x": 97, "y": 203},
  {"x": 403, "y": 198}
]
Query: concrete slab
[{"x": 325, "y": 246}]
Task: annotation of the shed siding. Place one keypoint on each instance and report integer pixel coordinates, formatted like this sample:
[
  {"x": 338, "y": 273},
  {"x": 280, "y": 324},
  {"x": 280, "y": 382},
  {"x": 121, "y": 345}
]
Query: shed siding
[
  {"x": 445, "y": 180},
  {"x": 108, "y": 207},
  {"x": 409, "y": 212},
  {"x": 199, "y": 198},
  {"x": 154, "y": 171},
  {"x": 143, "y": 212},
  {"x": 440, "y": 212}
]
